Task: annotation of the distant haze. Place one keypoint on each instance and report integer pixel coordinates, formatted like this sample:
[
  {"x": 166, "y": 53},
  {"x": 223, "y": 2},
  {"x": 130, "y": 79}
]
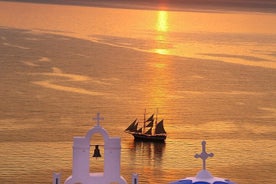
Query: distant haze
[{"x": 207, "y": 5}]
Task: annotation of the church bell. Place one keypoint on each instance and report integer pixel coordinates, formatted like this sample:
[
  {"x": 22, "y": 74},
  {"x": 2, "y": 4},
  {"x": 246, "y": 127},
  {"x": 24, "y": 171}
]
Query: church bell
[{"x": 97, "y": 152}]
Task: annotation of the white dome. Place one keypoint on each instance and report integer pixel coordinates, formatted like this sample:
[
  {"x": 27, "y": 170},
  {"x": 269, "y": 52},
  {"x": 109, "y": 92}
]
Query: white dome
[
  {"x": 190, "y": 181},
  {"x": 203, "y": 176}
]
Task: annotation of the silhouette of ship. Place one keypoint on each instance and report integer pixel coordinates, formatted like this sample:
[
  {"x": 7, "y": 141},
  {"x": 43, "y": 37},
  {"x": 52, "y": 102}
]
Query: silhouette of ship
[{"x": 151, "y": 129}]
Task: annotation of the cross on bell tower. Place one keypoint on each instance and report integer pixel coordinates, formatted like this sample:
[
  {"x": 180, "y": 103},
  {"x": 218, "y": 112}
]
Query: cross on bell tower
[
  {"x": 81, "y": 158},
  {"x": 98, "y": 118},
  {"x": 204, "y": 155}
]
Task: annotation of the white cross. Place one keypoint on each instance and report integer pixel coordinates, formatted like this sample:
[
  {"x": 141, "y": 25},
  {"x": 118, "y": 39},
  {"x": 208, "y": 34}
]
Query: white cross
[
  {"x": 204, "y": 155},
  {"x": 98, "y": 118}
]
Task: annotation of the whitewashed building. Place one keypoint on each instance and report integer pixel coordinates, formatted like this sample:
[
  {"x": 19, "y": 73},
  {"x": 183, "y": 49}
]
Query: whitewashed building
[{"x": 81, "y": 160}]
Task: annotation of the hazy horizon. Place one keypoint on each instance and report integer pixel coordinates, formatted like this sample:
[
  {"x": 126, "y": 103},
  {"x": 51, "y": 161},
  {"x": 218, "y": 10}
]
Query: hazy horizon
[{"x": 265, "y": 6}]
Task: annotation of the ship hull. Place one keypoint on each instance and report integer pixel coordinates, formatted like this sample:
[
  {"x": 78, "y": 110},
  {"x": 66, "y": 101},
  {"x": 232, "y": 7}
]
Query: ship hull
[{"x": 152, "y": 138}]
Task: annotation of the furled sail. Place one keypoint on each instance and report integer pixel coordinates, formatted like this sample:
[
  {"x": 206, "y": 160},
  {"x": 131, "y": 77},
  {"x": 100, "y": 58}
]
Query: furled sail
[
  {"x": 140, "y": 130},
  {"x": 133, "y": 126},
  {"x": 151, "y": 118},
  {"x": 160, "y": 128},
  {"x": 148, "y": 132},
  {"x": 150, "y": 124}
]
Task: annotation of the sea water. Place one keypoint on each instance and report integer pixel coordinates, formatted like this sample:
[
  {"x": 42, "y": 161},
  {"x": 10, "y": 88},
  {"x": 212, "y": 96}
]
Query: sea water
[{"x": 210, "y": 75}]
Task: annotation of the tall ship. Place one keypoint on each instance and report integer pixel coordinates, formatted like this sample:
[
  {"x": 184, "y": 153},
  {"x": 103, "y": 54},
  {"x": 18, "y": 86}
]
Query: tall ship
[{"x": 149, "y": 130}]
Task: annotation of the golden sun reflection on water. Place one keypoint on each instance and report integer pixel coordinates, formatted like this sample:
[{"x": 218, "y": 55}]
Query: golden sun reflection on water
[
  {"x": 161, "y": 51},
  {"x": 160, "y": 78},
  {"x": 162, "y": 28},
  {"x": 162, "y": 22}
]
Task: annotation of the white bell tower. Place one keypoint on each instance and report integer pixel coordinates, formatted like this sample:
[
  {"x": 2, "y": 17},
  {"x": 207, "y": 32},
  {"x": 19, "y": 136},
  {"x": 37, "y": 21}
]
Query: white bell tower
[{"x": 112, "y": 159}]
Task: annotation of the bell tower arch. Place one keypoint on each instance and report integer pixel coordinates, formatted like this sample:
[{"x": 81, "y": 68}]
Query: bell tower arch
[{"x": 112, "y": 159}]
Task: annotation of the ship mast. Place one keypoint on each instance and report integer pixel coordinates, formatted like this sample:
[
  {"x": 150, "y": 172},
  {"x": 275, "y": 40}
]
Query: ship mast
[
  {"x": 155, "y": 123},
  {"x": 144, "y": 126}
]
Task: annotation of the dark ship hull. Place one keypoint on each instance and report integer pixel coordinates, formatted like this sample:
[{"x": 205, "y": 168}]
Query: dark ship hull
[{"x": 145, "y": 137}]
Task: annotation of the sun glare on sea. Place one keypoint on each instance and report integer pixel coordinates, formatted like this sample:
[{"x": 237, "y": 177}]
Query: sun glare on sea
[
  {"x": 161, "y": 51},
  {"x": 162, "y": 21},
  {"x": 161, "y": 29},
  {"x": 160, "y": 74}
]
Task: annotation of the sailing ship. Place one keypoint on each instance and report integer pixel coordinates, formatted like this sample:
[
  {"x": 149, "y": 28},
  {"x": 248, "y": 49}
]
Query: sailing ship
[{"x": 151, "y": 129}]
